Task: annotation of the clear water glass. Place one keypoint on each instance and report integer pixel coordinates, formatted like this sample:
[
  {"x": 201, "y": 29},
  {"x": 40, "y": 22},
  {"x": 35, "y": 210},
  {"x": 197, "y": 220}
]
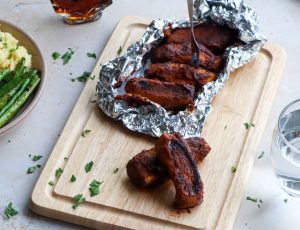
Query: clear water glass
[{"x": 285, "y": 152}]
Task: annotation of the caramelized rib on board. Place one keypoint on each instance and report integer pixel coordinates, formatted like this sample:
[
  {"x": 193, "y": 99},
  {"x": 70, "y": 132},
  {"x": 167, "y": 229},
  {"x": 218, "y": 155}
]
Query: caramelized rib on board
[
  {"x": 215, "y": 37},
  {"x": 172, "y": 96},
  {"x": 181, "y": 53},
  {"x": 145, "y": 170},
  {"x": 180, "y": 73},
  {"x": 133, "y": 100},
  {"x": 175, "y": 155}
]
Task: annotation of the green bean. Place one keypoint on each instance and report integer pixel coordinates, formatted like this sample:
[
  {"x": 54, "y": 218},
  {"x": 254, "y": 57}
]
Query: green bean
[
  {"x": 4, "y": 73},
  {"x": 8, "y": 115},
  {"x": 13, "y": 99}
]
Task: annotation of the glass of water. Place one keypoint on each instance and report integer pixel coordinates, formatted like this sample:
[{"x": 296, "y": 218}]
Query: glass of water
[{"x": 286, "y": 149}]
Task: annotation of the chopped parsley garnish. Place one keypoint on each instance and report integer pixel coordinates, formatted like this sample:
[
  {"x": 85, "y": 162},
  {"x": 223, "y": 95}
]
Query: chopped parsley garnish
[
  {"x": 91, "y": 55},
  {"x": 67, "y": 56},
  {"x": 116, "y": 170},
  {"x": 55, "y": 55},
  {"x": 31, "y": 170},
  {"x": 73, "y": 178},
  {"x": 66, "y": 158},
  {"x": 93, "y": 77},
  {"x": 119, "y": 51},
  {"x": 10, "y": 211},
  {"x": 285, "y": 200},
  {"x": 36, "y": 157},
  {"x": 78, "y": 199},
  {"x": 89, "y": 166},
  {"x": 247, "y": 125},
  {"x": 260, "y": 201},
  {"x": 225, "y": 127},
  {"x": 85, "y": 132},
  {"x": 29, "y": 155},
  {"x": 51, "y": 183},
  {"x": 251, "y": 199},
  {"x": 261, "y": 155},
  {"x": 5, "y": 45},
  {"x": 83, "y": 78},
  {"x": 233, "y": 169},
  {"x": 94, "y": 188},
  {"x": 38, "y": 166},
  {"x": 58, "y": 172},
  {"x": 255, "y": 200}
]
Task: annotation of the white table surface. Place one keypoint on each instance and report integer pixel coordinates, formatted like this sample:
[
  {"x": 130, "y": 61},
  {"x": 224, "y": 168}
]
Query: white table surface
[{"x": 280, "y": 21}]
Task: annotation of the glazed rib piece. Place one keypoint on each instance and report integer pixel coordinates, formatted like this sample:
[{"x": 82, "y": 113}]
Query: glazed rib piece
[
  {"x": 133, "y": 100},
  {"x": 181, "y": 53},
  {"x": 199, "y": 148},
  {"x": 172, "y": 96},
  {"x": 180, "y": 73},
  {"x": 215, "y": 37},
  {"x": 145, "y": 170},
  {"x": 175, "y": 156}
]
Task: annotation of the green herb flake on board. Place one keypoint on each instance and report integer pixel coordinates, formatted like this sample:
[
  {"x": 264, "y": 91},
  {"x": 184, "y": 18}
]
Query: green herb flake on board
[
  {"x": 119, "y": 51},
  {"x": 78, "y": 199},
  {"x": 95, "y": 188},
  {"x": 85, "y": 132},
  {"x": 233, "y": 169},
  {"x": 58, "y": 172},
  {"x": 247, "y": 125},
  {"x": 73, "y": 178},
  {"x": 89, "y": 166}
]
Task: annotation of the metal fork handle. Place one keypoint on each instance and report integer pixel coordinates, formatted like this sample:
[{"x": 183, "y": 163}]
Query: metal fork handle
[
  {"x": 194, "y": 45},
  {"x": 191, "y": 15}
]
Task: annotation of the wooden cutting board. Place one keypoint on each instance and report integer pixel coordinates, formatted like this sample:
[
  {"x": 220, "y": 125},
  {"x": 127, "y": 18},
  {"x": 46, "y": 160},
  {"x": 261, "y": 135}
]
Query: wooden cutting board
[{"x": 247, "y": 98}]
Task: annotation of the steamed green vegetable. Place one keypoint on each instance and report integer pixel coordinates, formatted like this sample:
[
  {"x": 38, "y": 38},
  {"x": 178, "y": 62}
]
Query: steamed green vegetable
[{"x": 16, "y": 86}]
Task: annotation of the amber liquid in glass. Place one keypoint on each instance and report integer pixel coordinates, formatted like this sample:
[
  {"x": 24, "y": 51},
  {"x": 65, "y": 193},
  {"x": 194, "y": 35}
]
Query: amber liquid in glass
[{"x": 80, "y": 11}]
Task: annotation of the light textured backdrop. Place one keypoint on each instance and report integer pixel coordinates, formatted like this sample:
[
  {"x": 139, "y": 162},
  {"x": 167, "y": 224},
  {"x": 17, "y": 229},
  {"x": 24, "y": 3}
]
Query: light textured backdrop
[{"x": 280, "y": 21}]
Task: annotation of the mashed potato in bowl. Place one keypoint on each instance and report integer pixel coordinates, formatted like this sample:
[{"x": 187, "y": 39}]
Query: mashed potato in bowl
[{"x": 11, "y": 52}]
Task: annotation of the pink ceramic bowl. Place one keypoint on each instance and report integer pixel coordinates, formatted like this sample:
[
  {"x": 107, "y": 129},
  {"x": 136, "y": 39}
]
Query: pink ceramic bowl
[{"x": 38, "y": 62}]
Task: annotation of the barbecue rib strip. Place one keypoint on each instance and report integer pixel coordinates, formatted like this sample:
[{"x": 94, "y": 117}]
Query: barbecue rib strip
[
  {"x": 175, "y": 155},
  {"x": 215, "y": 37},
  {"x": 180, "y": 73},
  {"x": 133, "y": 100},
  {"x": 181, "y": 53},
  {"x": 172, "y": 96},
  {"x": 145, "y": 170}
]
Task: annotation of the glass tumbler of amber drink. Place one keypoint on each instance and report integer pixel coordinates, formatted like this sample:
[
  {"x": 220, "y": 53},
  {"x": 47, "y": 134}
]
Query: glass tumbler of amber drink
[{"x": 80, "y": 11}]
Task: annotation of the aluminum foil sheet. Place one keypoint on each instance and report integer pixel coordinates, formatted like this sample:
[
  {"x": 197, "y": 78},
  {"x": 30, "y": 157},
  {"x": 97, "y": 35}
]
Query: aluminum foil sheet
[{"x": 154, "y": 119}]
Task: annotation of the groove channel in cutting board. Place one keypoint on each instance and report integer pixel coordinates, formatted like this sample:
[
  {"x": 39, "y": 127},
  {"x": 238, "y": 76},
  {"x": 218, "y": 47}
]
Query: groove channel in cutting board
[{"x": 247, "y": 94}]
